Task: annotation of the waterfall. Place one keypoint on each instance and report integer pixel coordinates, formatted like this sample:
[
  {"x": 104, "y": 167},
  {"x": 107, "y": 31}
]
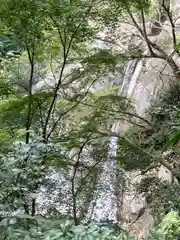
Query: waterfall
[
  {"x": 105, "y": 197},
  {"x": 133, "y": 79},
  {"x": 128, "y": 74},
  {"x": 105, "y": 200}
]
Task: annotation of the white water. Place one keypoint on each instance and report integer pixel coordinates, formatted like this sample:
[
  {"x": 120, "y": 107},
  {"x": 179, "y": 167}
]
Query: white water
[
  {"x": 129, "y": 72},
  {"x": 105, "y": 202},
  {"x": 134, "y": 79},
  {"x": 105, "y": 197}
]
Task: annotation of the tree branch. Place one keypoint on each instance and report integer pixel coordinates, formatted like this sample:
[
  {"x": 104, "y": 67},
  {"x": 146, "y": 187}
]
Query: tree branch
[
  {"x": 169, "y": 14},
  {"x": 76, "y": 222},
  {"x": 145, "y": 34},
  {"x": 28, "y": 121}
]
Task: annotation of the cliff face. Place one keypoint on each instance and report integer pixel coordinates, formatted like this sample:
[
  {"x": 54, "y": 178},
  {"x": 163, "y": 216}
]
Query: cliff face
[{"x": 149, "y": 78}]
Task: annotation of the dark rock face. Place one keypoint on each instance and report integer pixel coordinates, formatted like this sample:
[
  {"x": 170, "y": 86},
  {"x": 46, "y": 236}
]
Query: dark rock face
[{"x": 155, "y": 28}]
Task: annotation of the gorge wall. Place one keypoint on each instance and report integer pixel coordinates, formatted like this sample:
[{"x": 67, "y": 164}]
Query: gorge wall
[{"x": 150, "y": 77}]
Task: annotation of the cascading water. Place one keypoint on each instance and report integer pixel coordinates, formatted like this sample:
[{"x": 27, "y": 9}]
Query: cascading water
[
  {"x": 106, "y": 207},
  {"x": 128, "y": 74},
  {"x": 134, "y": 77},
  {"x": 105, "y": 200}
]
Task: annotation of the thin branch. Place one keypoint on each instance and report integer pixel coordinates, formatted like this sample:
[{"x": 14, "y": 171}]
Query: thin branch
[
  {"x": 129, "y": 121},
  {"x": 73, "y": 182},
  {"x": 65, "y": 56},
  {"x": 28, "y": 121},
  {"x": 54, "y": 99},
  {"x": 41, "y": 116},
  {"x": 145, "y": 33},
  {"x": 169, "y": 14},
  {"x": 142, "y": 32},
  {"x": 157, "y": 159},
  {"x": 33, "y": 210},
  {"x": 122, "y": 112},
  {"x": 163, "y": 54},
  {"x": 70, "y": 109},
  {"x": 87, "y": 175}
]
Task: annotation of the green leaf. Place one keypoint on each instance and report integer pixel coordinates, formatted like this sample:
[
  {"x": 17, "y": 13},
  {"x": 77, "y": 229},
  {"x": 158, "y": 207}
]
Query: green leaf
[
  {"x": 174, "y": 139},
  {"x": 177, "y": 46}
]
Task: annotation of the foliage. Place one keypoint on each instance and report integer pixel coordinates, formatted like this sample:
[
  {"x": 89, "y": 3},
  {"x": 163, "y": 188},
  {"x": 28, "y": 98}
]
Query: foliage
[
  {"x": 148, "y": 148},
  {"x": 53, "y": 119},
  {"x": 168, "y": 228},
  {"x": 20, "y": 174},
  {"x": 62, "y": 228},
  {"x": 8, "y": 47},
  {"x": 58, "y": 126}
]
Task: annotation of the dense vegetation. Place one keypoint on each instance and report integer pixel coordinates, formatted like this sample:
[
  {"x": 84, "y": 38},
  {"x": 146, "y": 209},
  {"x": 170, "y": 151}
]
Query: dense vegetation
[
  {"x": 156, "y": 146},
  {"x": 55, "y": 118}
]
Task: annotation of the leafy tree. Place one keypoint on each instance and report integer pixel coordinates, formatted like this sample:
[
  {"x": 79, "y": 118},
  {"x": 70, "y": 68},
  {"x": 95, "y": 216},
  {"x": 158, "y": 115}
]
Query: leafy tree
[
  {"x": 63, "y": 124},
  {"x": 51, "y": 128}
]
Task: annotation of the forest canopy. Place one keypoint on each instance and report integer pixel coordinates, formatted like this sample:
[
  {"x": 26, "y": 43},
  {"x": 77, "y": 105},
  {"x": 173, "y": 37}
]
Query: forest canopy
[{"x": 60, "y": 96}]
